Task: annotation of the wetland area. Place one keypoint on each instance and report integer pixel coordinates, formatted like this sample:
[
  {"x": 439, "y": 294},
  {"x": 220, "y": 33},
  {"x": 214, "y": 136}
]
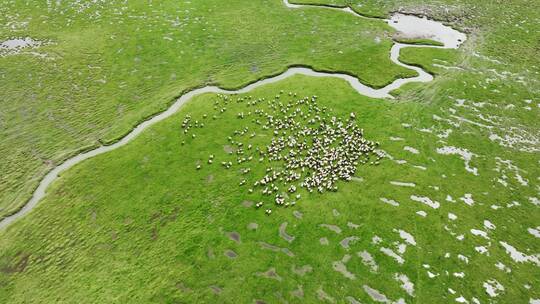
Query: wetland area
[{"x": 276, "y": 151}]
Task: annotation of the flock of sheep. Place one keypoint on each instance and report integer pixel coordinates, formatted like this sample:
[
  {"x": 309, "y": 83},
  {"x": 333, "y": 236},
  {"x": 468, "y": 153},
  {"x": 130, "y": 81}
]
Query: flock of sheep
[{"x": 309, "y": 148}]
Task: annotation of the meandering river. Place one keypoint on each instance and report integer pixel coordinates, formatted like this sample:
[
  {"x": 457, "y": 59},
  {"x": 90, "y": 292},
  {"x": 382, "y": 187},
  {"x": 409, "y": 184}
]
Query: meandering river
[{"x": 408, "y": 26}]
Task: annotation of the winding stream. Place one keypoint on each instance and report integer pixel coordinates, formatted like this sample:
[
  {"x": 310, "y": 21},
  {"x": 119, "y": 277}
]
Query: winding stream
[{"x": 409, "y": 26}]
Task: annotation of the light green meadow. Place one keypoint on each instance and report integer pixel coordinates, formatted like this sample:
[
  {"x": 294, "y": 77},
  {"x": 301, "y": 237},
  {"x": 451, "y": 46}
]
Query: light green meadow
[
  {"x": 109, "y": 65},
  {"x": 450, "y": 215}
]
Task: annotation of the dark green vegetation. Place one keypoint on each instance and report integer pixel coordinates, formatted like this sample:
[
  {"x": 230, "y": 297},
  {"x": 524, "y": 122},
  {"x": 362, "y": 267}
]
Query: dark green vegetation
[
  {"x": 111, "y": 64},
  {"x": 141, "y": 224}
]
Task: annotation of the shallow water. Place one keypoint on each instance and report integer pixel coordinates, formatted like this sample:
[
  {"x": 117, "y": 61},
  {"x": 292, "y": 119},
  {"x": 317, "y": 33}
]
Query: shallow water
[
  {"x": 406, "y": 283},
  {"x": 369, "y": 261},
  {"x": 389, "y": 201},
  {"x": 346, "y": 242},
  {"x": 341, "y": 267},
  {"x": 283, "y": 233},
  {"x": 379, "y": 297},
  {"x": 493, "y": 288},
  {"x": 426, "y": 200},
  {"x": 19, "y": 43},
  {"x": 416, "y": 27},
  {"x": 16, "y": 46}
]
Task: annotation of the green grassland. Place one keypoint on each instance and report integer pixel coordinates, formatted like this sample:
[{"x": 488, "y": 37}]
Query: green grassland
[
  {"x": 110, "y": 65},
  {"x": 141, "y": 224},
  {"x": 504, "y": 30},
  {"x": 371, "y": 8}
]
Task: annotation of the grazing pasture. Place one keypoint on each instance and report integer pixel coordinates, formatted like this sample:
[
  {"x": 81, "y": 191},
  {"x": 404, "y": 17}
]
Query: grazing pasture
[{"x": 301, "y": 190}]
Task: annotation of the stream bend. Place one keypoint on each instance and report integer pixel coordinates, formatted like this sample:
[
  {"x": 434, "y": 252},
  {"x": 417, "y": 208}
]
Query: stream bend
[{"x": 408, "y": 25}]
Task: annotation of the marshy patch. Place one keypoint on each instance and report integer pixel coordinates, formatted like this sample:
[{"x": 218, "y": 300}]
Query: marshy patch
[
  {"x": 283, "y": 233},
  {"x": 270, "y": 274},
  {"x": 234, "y": 236},
  {"x": 376, "y": 295},
  {"x": 19, "y": 43},
  {"x": 274, "y": 248},
  {"x": 324, "y": 241},
  {"x": 341, "y": 267},
  {"x": 303, "y": 270},
  {"x": 15, "y": 46},
  {"x": 346, "y": 242},
  {"x": 369, "y": 261},
  {"x": 333, "y": 228},
  {"x": 353, "y": 225},
  {"x": 410, "y": 26},
  {"x": 230, "y": 254}
]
